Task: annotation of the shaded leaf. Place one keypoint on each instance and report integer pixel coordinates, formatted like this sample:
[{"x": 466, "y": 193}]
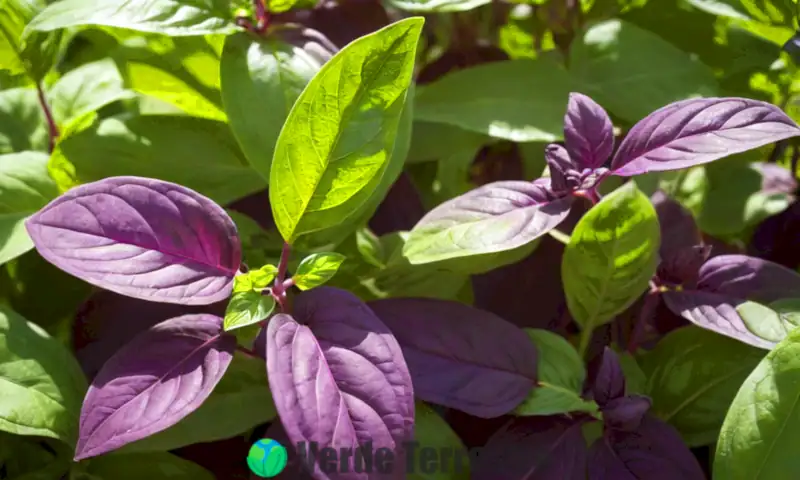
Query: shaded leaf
[{"x": 134, "y": 466}]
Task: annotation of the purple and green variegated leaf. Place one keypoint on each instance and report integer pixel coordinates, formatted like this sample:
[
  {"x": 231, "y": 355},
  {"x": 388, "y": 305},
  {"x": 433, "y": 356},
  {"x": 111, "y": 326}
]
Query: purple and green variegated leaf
[
  {"x": 654, "y": 451},
  {"x": 588, "y": 132},
  {"x": 150, "y": 384},
  {"x": 745, "y": 321},
  {"x": 494, "y": 218},
  {"x": 608, "y": 377},
  {"x": 534, "y": 448},
  {"x": 749, "y": 278},
  {"x": 697, "y": 131},
  {"x": 626, "y": 413},
  {"x": 563, "y": 175},
  {"x": 461, "y": 357},
  {"x": 339, "y": 379},
  {"x": 143, "y": 238}
]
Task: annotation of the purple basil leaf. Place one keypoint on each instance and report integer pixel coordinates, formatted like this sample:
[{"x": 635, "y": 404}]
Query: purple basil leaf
[
  {"x": 563, "y": 176},
  {"x": 715, "y": 312},
  {"x": 679, "y": 229},
  {"x": 654, "y": 451},
  {"x": 609, "y": 379},
  {"x": 153, "y": 382},
  {"x": 461, "y": 357},
  {"x": 749, "y": 278},
  {"x": 588, "y": 132},
  {"x": 625, "y": 413},
  {"x": 697, "y": 131},
  {"x": 775, "y": 178},
  {"x": 340, "y": 378},
  {"x": 682, "y": 267},
  {"x": 604, "y": 463},
  {"x": 142, "y": 238},
  {"x": 496, "y": 217},
  {"x": 534, "y": 448}
]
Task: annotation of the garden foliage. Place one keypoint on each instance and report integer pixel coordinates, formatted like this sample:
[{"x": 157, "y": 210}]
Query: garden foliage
[{"x": 563, "y": 231}]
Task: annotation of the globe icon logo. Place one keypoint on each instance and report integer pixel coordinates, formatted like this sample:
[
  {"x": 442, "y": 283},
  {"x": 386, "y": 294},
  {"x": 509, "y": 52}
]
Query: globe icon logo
[{"x": 267, "y": 458}]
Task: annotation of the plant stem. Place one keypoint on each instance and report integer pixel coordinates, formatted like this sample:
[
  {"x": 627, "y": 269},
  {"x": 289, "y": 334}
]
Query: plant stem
[
  {"x": 262, "y": 16},
  {"x": 586, "y": 337},
  {"x": 48, "y": 114},
  {"x": 283, "y": 264}
]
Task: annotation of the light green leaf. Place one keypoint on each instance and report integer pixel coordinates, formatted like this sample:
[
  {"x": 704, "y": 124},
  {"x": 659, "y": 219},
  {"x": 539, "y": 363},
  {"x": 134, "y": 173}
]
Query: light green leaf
[
  {"x": 490, "y": 99},
  {"x": 34, "y": 55},
  {"x": 42, "y": 384},
  {"x": 247, "y": 308},
  {"x": 280, "y": 6},
  {"x": 261, "y": 80},
  {"x": 561, "y": 375},
  {"x": 722, "y": 8},
  {"x": 22, "y": 123},
  {"x": 338, "y": 139},
  {"x": 167, "y": 17},
  {"x": 761, "y": 428},
  {"x": 85, "y": 90},
  {"x": 438, "y": 6},
  {"x": 262, "y": 277},
  {"x": 611, "y": 256},
  {"x": 631, "y": 71},
  {"x": 433, "y": 433},
  {"x": 136, "y": 466},
  {"x": 317, "y": 269},
  {"x": 693, "y": 375},
  {"x": 239, "y": 402},
  {"x": 25, "y": 187},
  {"x": 197, "y": 153}
]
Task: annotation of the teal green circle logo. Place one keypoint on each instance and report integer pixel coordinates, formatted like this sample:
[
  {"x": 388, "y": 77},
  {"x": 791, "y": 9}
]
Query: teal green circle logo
[{"x": 267, "y": 458}]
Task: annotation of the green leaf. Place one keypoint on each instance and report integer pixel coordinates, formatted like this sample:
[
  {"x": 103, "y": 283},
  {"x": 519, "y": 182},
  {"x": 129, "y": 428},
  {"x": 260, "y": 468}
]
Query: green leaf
[
  {"x": 239, "y": 402},
  {"x": 135, "y": 466},
  {"x": 22, "y": 123},
  {"x": 490, "y": 99},
  {"x": 43, "y": 386},
  {"x": 261, "y": 80},
  {"x": 262, "y": 277},
  {"x": 25, "y": 187},
  {"x": 197, "y": 153},
  {"x": 280, "y": 6},
  {"x": 247, "y": 308},
  {"x": 33, "y": 458},
  {"x": 438, "y": 6},
  {"x": 611, "y": 256},
  {"x": 339, "y": 137},
  {"x": 85, "y": 90},
  {"x": 631, "y": 71},
  {"x": 561, "y": 377},
  {"x": 317, "y": 269},
  {"x": 693, "y": 375},
  {"x": 762, "y": 426},
  {"x": 34, "y": 55},
  {"x": 167, "y": 17},
  {"x": 434, "y": 141},
  {"x": 433, "y": 433},
  {"x": 635, "y": 378}
]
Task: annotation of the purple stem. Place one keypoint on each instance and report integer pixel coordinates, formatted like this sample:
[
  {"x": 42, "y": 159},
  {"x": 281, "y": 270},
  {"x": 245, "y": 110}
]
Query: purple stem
[
  {"x": 281, "y": 284},
  {"x": 48, "y": 114}
]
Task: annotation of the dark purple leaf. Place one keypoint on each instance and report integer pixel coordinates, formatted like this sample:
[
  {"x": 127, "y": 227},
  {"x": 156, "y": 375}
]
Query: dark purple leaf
[
  {"x": 697, "y": 131},
  {"x": 340, "y": 378},
  {"x": 625, "y": 413},
  {"x": 588, "y": 132},
  {"x": 609, "y": 380},
  {"x": 775, "y": 178},
  {"x": 154, "y": 381},
  {"x": 682, "y": 267},
  {"x": 563, "y": 176},
  {"x": 749, "y": 278},
  {"x": 400, "y": 210},
  {"x": 654, "y": 451},
  {"x": 679, "y": 229},
  {"x": 461, "y": 357},
  {"x": 777, "y": 237},
  {"x": 142, "y": 238},
  {"x": 714, "y": 312},
  {"x": 604, "y": 463},
  {"x": 534, "y": 448}
]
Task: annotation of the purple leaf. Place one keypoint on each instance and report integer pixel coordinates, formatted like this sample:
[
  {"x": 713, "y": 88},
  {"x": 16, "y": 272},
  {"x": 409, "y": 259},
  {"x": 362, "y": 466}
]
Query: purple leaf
[
  {"x": 775, "y": 178},
  {"x": 679, "y": 229},
  {"x": 534, "y": 448},
  {"x": 654, "y": 451},
  {"x": 749, "y": 278},
  {"x": 153, "y": 382},
  {"x": 563, "y": 176},
  {"x": 142, "y": 238},
  {"x": 461, "y": 357},
  {"x": 588, "y": 132},
  {"x": 625, "y": 413},
  {"x": 609, "y": 380},
  {"x": 493, "y": 218},
  {"x": 697, "y": 131},
  {"x": 340, "y": 378},
  {"x": 682, "y": 267},
  {"x": 714, "y": 312}
]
